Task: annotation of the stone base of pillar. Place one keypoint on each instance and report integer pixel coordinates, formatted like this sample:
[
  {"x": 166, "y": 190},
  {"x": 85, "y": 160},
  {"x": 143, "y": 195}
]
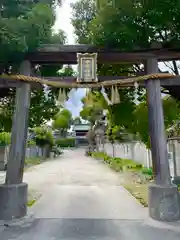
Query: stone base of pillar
[
  {"x": 164, "y": 203},
  {"x": 13, "y": 201},
  {"x": 176, "y": 180}
]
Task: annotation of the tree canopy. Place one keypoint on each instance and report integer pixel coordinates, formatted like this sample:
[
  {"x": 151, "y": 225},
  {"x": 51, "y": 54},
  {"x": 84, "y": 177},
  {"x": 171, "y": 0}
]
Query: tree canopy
[
  {"x": 62, "y": 121},
  {"x": 92, "y": 107},
  {"x": 128, "y": 25},
  {"x": 24, "y": 25}
]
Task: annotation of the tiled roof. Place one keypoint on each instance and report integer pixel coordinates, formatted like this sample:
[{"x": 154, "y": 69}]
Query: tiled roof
[{"x": 82, "y": 127}]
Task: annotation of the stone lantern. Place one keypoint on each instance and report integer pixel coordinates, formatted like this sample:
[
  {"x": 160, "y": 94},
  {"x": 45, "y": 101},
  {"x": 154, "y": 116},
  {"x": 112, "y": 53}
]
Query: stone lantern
[{"x": 99, "y": 130}]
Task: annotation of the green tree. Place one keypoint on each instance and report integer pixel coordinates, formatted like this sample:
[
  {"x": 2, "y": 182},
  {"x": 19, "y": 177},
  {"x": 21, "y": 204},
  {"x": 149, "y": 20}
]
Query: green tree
[
  {"x": 83, "y": 11},
  {"x": 62, "y": 121},
  {"x": 43, "y": 136},
  {"x": 23, "y": 27},
  {"x": 66, "y": 113},
  {"x": 85, "y": 21},
  {"x": 140, "y": 124},
  {"x": 92, "y": 109},
  {"x": 43, "y": 104},
  {"x": 128, "y": 25}
]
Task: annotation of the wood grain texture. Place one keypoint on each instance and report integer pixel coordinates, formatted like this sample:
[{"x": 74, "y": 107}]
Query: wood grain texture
[
  {"x": 19, "y": 130},
  {"x": 67, "y": 54},
  {"x": 156, "y": 127}
]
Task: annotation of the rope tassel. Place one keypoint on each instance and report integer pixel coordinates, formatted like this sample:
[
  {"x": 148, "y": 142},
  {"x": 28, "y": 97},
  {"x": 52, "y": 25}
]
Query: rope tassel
[
  {"x": 116, "y": 96},
  {"x": 62, "y": 96},
  {"x": 112, "y": 95}
]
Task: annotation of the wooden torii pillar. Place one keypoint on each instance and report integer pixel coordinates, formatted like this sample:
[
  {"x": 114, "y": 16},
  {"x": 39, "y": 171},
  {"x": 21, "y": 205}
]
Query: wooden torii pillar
[
  {"x": 163, "y": 195},
  {"x": 13, "y": 194}
]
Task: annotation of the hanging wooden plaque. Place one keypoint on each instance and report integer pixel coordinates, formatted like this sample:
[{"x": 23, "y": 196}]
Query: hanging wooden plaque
[{"x": 87, "y": 67}]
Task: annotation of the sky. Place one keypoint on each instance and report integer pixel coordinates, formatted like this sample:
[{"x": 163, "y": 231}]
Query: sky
[{"x": 63, "y": 21}]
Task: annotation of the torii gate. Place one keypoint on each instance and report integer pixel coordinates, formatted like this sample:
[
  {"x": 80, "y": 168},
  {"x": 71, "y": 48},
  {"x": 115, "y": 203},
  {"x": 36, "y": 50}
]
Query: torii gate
[{"x": 163, "y": 196}]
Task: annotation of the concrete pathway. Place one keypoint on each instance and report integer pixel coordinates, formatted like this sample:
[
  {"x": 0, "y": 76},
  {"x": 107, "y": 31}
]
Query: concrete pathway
[{"x": 81, "y": 199}]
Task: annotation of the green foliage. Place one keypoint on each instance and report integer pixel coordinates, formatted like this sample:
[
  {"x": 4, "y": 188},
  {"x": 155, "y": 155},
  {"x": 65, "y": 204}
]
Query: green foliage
[
  {"x": 128, "y": 25},
  {"x": 31, "y": 142},
  {"x": 128, "y": 118},
  {"x": 171, "y": 111},
  {"x": 66, "y": 142},
  {"x": 92, "y": 109},
  {"x": 66, "y": 113},
  {"x": 62, "y": 120},
  {"x": 117, "y": 133},
  {"x": 6, "y": 112},
  {"x": 117, "y": 164},
  {"x": 24, "y": 25},
  {"x": 109, "y": 134},
  {"x": 132, "y": 24},
  {"x": 147, "y": 171},
  {"x": 25, "y": 31},
  {"x": 5, "y": 138},
  {"x": 140, "y": 123},
  {"x": 82, "y": 14},
  {"x": 99, "y": 155},
  {"x": 32, "y": 161},
  {"x": 43, "y": 136},
  {"x": 67, "y": 71},
  {"x": 43, "y": 107},
  {"x": 31, "y": 202}
]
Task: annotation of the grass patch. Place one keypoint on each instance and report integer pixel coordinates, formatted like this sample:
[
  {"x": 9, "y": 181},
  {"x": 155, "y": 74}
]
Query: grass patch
[
  {"x": 31, "y": 202},
  {"x": 137, "y": 189},
  {"x": 32, "y": 161},
  {"x": 29, "y": 162},
  {"x": 117, "y": 164},
  {"x": 136, "y": 177},
  {"x": 32, "y": 198}
]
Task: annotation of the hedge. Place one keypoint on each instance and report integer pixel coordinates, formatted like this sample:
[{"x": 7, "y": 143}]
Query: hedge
[
  {"x": 43, "y": 136},
  {"x": 118, "y": 164},
  {"x": 66, "y": 142},
  {"x": 5, "y": 138}
]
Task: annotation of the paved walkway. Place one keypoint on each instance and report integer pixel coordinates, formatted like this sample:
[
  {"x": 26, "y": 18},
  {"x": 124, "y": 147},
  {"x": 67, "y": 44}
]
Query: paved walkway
[{"x": 81, "y": 198}]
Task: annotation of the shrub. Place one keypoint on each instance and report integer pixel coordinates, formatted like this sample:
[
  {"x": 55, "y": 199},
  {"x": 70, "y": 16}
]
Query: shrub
[
  {"x": 99, "y": 155},
  {"x": 130, "y": 164},
  {"x": 118, "y": 160},
  {"x": 107, "y": 159},
  {"x": 32, "y": 161},
  {"x": 43, "y": 136},
  {"x": 31, "y": 142},
  {"x": 66, "y": 142},
  {"x": 147, "y": 171},
  {"x": 88, "y": 154},
  {"x": 117, "y": 164},
  {"x": 5, "y": 138}
]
